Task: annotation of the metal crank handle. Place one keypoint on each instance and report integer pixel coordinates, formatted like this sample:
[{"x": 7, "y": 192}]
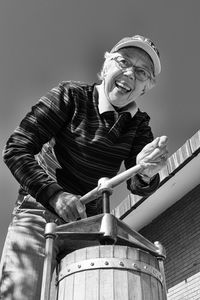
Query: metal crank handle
[{"x": 111, "y": 183}]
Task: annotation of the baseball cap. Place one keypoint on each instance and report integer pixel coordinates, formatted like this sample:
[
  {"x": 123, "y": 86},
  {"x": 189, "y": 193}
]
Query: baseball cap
[{"x": 144, "y": 43}]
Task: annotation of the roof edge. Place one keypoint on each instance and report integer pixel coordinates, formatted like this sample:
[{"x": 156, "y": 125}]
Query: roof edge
[{"x": 175, "y": 163}]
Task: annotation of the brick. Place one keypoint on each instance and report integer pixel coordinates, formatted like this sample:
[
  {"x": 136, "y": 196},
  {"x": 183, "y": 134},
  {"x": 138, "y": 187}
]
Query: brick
[
  {"x": 172, "y": 163},
  {"x": 134, "y": 199},
  {"x": 123, "y": 207},
  {"x": 183, "y": 153},
  {"x": 195, "y": 142},
  {"x": 178, "y": 229},
  {"x": 164, "y": 173}
]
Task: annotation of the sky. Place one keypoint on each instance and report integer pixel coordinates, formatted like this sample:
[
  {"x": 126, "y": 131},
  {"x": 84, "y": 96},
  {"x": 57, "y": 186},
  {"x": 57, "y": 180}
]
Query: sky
[{"x": 43, "y": 42}]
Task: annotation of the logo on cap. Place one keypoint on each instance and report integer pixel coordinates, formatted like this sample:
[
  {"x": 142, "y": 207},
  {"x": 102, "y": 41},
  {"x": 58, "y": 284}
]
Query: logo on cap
[{"x": 147, "y": 41}]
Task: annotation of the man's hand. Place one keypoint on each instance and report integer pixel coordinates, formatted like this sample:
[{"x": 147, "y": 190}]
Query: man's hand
[
  {"x": 153, "y": 156},
  {"x": 68, "y": 206}
]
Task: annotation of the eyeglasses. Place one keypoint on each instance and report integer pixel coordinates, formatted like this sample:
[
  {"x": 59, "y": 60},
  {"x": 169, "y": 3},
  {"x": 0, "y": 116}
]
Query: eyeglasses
[{"x": 139, "y": 72}]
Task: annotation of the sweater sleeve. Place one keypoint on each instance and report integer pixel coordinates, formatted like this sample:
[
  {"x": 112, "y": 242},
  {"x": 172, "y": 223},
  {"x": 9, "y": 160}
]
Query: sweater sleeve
[
  {"x": 143, "y": 137},
  {"x": 45, "y": 119}
]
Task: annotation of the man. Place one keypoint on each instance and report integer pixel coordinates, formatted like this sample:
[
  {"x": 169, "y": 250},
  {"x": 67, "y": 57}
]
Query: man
[{"x": 72, "y": 137}]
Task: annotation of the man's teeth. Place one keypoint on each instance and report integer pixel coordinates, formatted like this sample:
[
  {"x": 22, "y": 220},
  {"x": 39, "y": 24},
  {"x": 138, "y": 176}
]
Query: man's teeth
[{"x": 123, "y": 86}]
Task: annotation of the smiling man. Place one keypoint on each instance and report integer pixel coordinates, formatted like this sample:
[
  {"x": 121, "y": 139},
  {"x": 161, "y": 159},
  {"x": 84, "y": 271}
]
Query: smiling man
[
  {"x": 73, "y": 136},
  {"x": 127, "y": 74}
]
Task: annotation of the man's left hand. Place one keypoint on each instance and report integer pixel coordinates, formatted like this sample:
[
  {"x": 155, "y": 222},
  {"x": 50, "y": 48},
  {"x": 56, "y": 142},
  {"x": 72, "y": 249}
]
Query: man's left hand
[{"x": 153, "y": 157}]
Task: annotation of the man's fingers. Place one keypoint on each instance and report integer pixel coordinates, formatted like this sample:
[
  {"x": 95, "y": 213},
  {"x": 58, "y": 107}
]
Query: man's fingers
[
  {"x": 157, "y": 148},
  {"x": 68, "y": 206},
  {"x": 76, "y": 211},
  {"x": 67, "y": 215},
  {"x": 156, "y": 153},
  {"x": 158, "y": 143},
  {"x": 152, "y": 145},
  {"x": 81, "y": 209},
  {"x": 162, "y": 141}
]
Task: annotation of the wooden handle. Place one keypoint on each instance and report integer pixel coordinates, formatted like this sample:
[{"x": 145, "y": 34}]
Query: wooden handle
[{"x": 111, "y": 183}]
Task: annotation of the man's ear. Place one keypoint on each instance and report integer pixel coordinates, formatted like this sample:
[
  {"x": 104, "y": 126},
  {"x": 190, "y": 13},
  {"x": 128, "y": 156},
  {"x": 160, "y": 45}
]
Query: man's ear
[
  {"x": 104, "y": 73},
  {"x": 150, "y": 84}
]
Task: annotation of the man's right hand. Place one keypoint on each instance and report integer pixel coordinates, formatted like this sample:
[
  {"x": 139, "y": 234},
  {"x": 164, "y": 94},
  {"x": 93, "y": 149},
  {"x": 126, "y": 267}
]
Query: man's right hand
[{"x": 68, "y": 206}]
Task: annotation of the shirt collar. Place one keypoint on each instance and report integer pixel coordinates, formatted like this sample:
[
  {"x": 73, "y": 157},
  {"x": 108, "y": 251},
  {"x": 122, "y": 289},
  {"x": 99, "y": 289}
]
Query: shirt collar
[{"x": 104, "y": 106}]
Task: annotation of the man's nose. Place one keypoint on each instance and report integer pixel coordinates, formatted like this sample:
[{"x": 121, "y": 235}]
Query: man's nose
[{"x": 130, "y": 72}]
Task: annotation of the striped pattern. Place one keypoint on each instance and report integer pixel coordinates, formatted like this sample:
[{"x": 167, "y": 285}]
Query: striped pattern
[{"x": 74, "y": 145}]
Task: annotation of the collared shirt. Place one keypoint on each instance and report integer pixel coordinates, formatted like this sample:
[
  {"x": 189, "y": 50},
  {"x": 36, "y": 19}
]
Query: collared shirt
[
  {"x": 104, "y": 106},
  {"x": 73, "y": 145}
]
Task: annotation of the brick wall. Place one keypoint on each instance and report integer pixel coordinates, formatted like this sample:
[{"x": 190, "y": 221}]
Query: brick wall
[{"x": 178, "y": 229}]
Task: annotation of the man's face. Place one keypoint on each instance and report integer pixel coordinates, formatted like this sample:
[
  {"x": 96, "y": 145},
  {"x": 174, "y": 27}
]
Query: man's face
[{"x": 121, "y": 86}]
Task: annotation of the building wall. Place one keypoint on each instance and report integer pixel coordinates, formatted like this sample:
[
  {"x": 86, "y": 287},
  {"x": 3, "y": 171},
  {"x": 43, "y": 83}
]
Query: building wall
[{"x": 178, "y": 230}]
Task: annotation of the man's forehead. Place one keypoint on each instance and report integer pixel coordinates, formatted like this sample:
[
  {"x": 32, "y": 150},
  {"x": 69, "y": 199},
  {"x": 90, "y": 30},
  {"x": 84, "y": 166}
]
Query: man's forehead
[{"x": 136, "y": 53}]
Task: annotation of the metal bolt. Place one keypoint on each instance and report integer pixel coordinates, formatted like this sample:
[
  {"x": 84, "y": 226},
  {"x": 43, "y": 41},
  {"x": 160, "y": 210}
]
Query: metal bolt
[
  {"x": 68, "y": 270},
  {"x": 106, "y": 263},
  {"x": 92, "y": 264},
  {"x": 121, "y": 263},
  {"x": 79, "y": 266}
]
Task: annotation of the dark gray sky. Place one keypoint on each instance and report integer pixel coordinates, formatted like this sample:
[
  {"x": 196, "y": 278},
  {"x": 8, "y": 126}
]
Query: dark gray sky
[{"x": 46, "y": 41}]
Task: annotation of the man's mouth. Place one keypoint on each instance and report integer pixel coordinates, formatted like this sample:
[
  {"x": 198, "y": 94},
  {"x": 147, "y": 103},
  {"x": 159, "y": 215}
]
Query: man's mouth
[{"x": 122, "y": 86}]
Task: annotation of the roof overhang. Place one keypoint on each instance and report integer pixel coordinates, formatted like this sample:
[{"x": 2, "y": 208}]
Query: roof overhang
[{"x": 178, "y": 185}]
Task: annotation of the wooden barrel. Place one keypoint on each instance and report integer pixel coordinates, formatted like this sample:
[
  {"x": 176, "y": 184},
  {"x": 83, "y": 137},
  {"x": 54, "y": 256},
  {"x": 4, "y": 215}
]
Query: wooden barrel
[{"x": 110, "y": 273}]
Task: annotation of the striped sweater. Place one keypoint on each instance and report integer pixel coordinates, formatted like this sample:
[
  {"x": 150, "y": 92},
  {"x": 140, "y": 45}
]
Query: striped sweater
[{"x": 64, "y": 143}]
